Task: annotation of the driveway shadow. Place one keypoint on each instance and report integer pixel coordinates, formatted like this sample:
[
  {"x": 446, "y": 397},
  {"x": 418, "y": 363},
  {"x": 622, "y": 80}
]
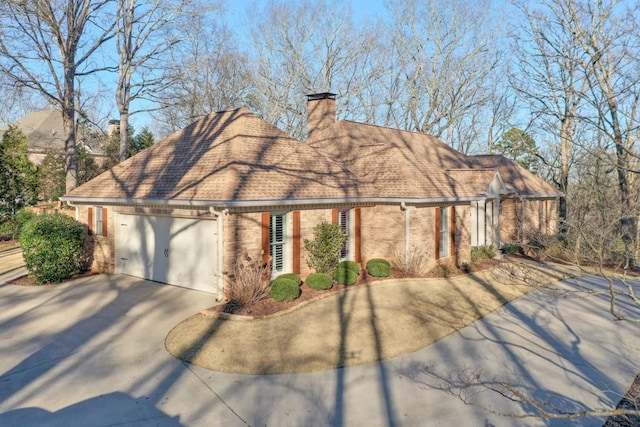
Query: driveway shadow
[{"x": 118, "y": 408}]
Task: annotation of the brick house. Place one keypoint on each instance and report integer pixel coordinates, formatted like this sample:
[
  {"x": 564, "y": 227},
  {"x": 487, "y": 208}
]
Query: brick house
[
  {"x": 183, "y": 211},
  {"x": 45, "y": 135}
]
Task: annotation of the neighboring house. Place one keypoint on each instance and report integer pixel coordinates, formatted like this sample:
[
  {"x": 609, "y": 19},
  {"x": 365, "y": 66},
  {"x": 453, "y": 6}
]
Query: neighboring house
[
  {"x": 45, "y": 134},
  {"x": 184, "y": 210}
]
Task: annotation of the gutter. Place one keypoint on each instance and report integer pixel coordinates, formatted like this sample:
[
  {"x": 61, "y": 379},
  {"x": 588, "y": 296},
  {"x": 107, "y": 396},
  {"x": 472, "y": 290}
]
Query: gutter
[
  {"x": 405, "y": 208},
  {"x": 264, "y": 202}
]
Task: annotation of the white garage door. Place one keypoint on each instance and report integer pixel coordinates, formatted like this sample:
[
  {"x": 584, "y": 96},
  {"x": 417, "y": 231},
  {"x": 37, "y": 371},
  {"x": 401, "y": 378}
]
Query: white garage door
[{"x": 178, "y": 251}]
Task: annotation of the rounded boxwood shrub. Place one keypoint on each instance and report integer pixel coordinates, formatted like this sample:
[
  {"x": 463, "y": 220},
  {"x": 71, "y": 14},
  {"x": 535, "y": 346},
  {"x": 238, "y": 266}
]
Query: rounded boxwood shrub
[
  {"x": 378, "y": 267},
  {"x": 292, "y": 276},
  {"x": 345, "y": 276},
  {"x": 319, "y": 281},
  {"x": 53, "y": 247},
  {"x": 350, "y": 265},
  {"x": 285, "y": 289}
]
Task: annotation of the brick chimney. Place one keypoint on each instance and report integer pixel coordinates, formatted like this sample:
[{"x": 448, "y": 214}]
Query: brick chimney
[{"x": 321, "y": 111}]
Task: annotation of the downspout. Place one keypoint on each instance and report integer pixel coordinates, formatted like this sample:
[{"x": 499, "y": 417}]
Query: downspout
[
  {"x": 220, "y": 242},
  {"x": 76, "y": 209},
  {"x": 403, "y": 207}
]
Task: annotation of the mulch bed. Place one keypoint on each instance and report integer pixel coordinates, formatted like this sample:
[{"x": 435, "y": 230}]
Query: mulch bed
[{"x": 268, "y": 306}]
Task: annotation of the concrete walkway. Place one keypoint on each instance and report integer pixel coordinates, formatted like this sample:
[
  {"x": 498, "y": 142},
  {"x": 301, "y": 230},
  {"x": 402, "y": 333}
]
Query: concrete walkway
[{"x": 91, "y": 352}]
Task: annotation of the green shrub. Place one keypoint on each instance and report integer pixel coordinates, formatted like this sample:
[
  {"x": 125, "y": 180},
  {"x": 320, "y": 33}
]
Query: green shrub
[
  {"x": 344, "y": 276},
  {"x": 350, "y": 265},
  {"x": 20, "y": 219},
  {"x": 378, "y": 267},
  {"x": 292, "y": 276},
  {"x": 285, "y": 289},
  {"x": 483, "y": 252},
  {"x": 319, "y": 281},
  {"x": 511, "y": 249},
  {"x": 52, "y": 246},
  {"x": 324, "y": 249}
]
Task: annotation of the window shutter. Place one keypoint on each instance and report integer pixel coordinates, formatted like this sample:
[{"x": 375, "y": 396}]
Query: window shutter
[
  {"x": 265, "y": 237},
  {"x": 104, "y": 222},
  {"x": 452, "y": 231},
  {"x": 334, "y": 216},
  {"x": 277, "y": 243},
  {"x": 357, "y": 237},
  {"x": 296, "y": 242},
  {"x": 437, "y": 233},
  {"x": 90, "y": 220}
]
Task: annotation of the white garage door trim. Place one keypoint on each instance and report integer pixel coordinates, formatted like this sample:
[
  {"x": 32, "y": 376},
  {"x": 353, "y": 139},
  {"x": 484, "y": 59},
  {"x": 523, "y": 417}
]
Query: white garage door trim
[{"x": 174, "y": 250}]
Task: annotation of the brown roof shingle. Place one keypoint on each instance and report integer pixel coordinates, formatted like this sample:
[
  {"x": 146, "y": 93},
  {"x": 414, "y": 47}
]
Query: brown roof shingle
[
  {"x": 236, "y": 156},
  {"x": 233, "y": 155},
  {"x": 516, "y": 178}
]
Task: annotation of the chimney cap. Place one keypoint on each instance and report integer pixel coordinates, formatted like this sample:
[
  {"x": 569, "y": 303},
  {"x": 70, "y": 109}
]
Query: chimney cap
[{"x": 322, "y": 95}]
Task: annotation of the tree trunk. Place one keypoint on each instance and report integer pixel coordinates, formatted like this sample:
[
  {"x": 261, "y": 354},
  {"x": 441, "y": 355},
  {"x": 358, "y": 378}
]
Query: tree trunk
[{"x": 69, "y": 125}]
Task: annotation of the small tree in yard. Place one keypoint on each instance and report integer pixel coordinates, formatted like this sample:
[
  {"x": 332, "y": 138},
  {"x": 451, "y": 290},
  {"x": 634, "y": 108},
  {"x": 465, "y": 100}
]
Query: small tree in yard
[
  {"x": 324, "y": 249},
  {"x": 53, "y": 247}
]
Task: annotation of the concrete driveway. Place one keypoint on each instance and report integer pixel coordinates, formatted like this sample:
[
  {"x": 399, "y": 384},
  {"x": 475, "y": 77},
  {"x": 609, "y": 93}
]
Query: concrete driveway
[{"x": 91, "y": 352}]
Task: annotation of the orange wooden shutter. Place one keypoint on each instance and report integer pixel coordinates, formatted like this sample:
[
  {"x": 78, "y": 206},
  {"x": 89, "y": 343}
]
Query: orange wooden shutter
[
  {"x": 266, "y": 219},
  {"x": 296, "y": 242},
  {"x": 104, "y": 221},
  {"x": 358, "y": 254},
  {"x": 452, "y": 231},
  {"x": 437, "y": 236},
  {"x": 90, "y": 219},
  {"x": 334, "y": 216}
]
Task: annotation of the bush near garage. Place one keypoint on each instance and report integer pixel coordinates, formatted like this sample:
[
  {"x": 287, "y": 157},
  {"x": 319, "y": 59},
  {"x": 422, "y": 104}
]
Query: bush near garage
[
  {"x": 319, "y": 281},
  {"x": 379, "y": 267},
  {"x": 53, "y": 247},
  {"x": 248, "y": 282},
  {"x": 285, "y": 289}
]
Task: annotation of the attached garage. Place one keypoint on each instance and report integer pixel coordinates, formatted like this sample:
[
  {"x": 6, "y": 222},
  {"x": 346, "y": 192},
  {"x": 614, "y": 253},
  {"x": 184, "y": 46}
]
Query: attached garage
[{"x": 173, "y": 250}]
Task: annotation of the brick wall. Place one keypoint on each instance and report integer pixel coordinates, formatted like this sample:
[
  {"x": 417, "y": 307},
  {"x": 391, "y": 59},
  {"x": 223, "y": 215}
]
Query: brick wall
[{"x": 103, "y": 246}]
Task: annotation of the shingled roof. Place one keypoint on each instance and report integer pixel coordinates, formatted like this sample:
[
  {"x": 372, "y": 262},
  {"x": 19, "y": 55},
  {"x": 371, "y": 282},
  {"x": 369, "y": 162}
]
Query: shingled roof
[
  {"x": 228, "y": 156},
  {"x": 516, "y": 178},
  {"x": 236, "y": 157},
  {"x": 45, "y": 133}
]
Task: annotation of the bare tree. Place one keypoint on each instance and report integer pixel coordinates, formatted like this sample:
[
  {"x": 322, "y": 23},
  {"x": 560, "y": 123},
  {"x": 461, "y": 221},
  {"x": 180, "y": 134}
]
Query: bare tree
[
  {"x": 144, "y": 38},
  {"x": 548, "y": 76},
  {"x": 608, "y": 33},
  {"x": 45, "y": 46},
  {"x": 443, "y": 57},
  {"x": 307, "y": 48},
  {"x": 208, "y": 73}
]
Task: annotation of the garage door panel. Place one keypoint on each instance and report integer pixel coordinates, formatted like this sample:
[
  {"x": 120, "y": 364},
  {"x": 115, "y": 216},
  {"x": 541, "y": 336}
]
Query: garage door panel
[{"x": 178, "y": 251}]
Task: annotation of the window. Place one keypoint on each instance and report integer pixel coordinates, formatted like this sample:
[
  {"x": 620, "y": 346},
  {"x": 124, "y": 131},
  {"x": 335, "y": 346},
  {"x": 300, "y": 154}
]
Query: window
[
  {"x": 343, "y": 221},
  {"x": 98, "y": 221},
  {"x": 443, "y": 251},
  {"x": 277, "y": 241}
]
